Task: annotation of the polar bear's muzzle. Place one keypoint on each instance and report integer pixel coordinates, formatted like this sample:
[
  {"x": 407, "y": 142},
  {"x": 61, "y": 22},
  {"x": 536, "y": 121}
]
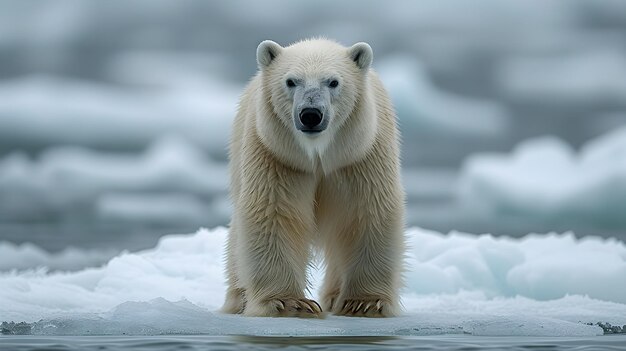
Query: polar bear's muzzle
[{"x": 311, "y": 121}]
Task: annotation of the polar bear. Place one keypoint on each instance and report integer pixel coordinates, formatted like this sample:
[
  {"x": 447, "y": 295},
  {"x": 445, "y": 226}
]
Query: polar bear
[{"x": 314, "y": 163}]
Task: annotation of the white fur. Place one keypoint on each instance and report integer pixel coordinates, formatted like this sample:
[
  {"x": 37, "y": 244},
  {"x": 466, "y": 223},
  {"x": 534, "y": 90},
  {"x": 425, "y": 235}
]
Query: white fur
[{"x": 339, "y": 190}]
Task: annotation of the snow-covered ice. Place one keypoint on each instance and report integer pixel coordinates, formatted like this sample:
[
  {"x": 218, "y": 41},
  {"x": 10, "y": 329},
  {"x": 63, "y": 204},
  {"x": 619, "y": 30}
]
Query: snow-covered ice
[
  {"x": 541, "y": 267},
  {"x": 456, "y": 283},
  {"x": 546, "y": 179}
]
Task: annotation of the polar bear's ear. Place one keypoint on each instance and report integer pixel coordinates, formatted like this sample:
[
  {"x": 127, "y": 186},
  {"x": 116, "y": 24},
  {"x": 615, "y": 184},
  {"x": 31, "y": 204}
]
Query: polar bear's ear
[
  {"x": 266, "y": 52},
  {"x": 361, "y": 54}
]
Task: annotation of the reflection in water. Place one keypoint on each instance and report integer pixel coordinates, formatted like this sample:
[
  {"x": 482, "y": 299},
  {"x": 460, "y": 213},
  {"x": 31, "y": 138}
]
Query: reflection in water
[{"x": 312, "y": 340}]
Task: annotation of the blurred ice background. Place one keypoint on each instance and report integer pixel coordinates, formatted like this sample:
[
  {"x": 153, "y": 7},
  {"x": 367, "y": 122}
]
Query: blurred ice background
[{"x": 115, "y": 115}]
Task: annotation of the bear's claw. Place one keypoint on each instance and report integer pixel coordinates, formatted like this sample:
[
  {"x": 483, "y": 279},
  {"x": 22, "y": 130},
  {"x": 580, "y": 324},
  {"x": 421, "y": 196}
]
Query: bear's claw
[
  {"x": 303, "y": 308},
  {"x": 364, "y": 308}
]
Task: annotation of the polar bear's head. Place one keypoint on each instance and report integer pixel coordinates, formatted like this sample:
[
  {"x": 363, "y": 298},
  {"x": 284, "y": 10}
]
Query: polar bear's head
[{"x": 313, "y": 86}]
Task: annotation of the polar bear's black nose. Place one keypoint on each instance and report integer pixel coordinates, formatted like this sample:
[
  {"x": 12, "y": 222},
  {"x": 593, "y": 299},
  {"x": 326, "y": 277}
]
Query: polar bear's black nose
[{"x": 311, "y": 117}]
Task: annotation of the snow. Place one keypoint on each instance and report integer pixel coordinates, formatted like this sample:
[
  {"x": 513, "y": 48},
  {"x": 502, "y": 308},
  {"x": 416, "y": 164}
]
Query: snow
[
  {"x": 421, "y": 106},
  {"x": 456, "y": 283},
  {"x": 546, "y": 178}
]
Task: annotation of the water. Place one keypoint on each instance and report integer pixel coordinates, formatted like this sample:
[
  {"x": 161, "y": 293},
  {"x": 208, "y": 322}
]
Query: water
[{"x": 183, "y": 342}]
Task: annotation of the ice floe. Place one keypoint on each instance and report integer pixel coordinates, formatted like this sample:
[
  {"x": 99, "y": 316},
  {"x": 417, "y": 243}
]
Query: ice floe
[{"x": 456, "y": 283}]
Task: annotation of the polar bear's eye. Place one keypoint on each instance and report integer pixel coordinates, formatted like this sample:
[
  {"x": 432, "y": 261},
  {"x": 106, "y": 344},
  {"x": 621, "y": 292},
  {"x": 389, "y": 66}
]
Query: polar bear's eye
[
  {"x": 291, "y": 83},
  {"x": 333, "y": 84}
]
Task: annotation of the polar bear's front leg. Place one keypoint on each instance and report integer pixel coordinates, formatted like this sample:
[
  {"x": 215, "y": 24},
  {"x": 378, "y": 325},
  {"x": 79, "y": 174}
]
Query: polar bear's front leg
[
  {"x": 372, "y": 277},
  {"x": 276, "y": 212},
  {"x": 373, "y": 247}
]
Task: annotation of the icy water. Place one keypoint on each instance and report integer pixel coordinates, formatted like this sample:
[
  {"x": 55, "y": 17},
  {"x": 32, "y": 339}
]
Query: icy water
[{"x": 439, "y": 342}]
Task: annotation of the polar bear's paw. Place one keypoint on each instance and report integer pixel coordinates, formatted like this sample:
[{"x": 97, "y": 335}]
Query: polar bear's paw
[
  {"x": 367, "y": 307},
  {"x": 286, "y": 307},
  {"x": 298, "y": 308}
]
